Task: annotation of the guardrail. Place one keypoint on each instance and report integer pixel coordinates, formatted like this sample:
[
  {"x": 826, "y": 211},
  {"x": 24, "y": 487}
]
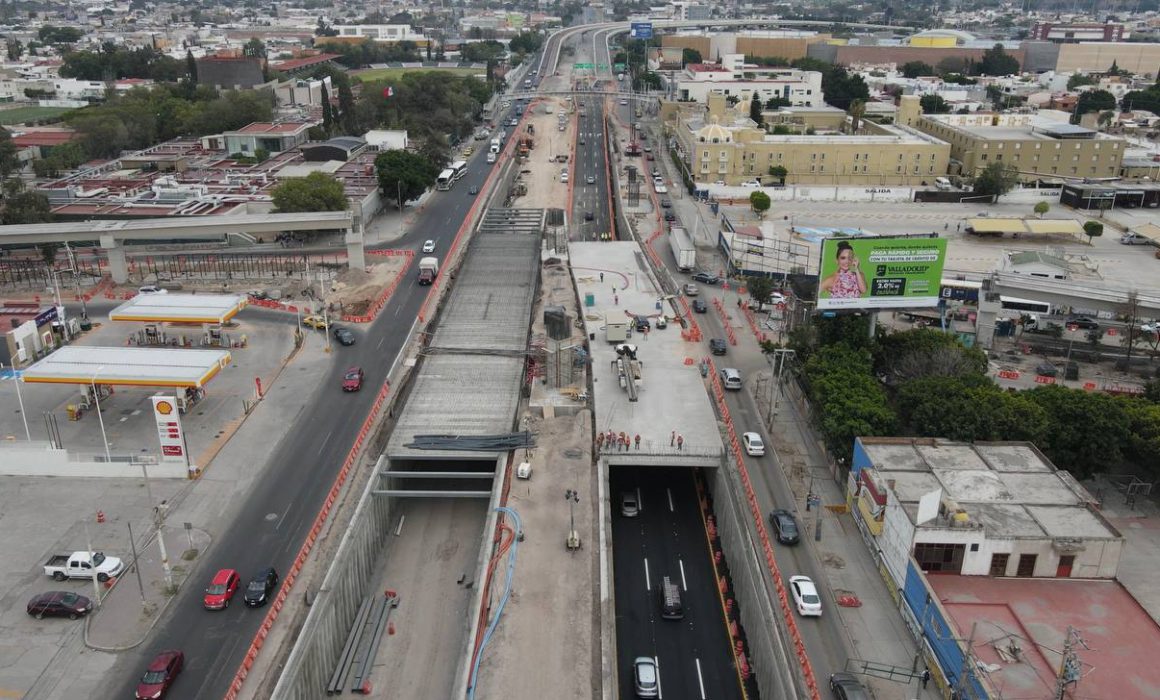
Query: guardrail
[{"x": 763, "y": 536}]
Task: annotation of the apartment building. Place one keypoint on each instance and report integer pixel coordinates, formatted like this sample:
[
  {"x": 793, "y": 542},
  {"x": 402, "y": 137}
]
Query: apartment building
[
  {"x": 720, "y": 144},
  {"x": 386, "y": 33},
  {"x": 1038, "y": 149}
]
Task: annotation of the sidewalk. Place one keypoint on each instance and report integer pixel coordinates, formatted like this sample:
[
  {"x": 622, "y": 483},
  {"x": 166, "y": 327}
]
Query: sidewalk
[{"x": 132, "y": 607}]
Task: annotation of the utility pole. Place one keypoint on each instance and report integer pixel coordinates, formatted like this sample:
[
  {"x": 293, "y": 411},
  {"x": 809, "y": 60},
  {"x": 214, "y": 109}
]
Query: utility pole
[
  {"x": 72, "y": 261},
  {"x": 961, "y": 685},
  {"x": 1070, "y": 666},
  {"x": 777, "y": 365}
]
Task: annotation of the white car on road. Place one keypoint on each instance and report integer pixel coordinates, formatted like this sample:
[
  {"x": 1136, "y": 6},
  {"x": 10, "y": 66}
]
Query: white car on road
[
  {"x": 754, "y": 447},
  {"x": 805, "y": 596},
  {"x": 428, "y": 246}
]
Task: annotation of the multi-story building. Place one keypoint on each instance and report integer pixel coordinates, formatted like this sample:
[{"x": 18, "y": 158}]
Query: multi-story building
[
  {"x": 1073, "y": 33},
  {"x": 720, "y": 144},
  {"x": 1038, "y": 149},
  {"x": 273, "y": 137},
  {"x": 385, "y": 33},
  {"x": 798, "y": 88}
]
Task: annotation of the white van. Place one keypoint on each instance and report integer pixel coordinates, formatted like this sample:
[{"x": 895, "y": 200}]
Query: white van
[{"x": 942, "y": 183}]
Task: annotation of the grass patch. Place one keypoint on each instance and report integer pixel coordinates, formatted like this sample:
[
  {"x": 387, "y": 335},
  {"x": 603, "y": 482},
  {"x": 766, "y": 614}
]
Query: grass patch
[
  {"x": 371, "y": 75},
  {"x": 20, "y": 115}
]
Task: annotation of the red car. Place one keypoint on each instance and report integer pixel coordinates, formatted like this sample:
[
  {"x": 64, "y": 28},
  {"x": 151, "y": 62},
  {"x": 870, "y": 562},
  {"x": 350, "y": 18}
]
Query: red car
[
  {"x": 162, "y": 671},
  {"x": 221, "y": 589},
  {"x": 353, "y": 379}
]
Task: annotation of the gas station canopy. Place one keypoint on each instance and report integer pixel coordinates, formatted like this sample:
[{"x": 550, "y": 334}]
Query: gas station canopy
[
  {"x": 128, "y": 366},
  {"x": 180, "y": 308}
]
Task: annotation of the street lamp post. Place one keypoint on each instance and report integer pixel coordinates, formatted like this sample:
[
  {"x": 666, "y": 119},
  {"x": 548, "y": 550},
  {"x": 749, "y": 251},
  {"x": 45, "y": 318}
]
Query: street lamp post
[
  {"x": 100, "y": 418},
  {"x": 19, "y": 400}
]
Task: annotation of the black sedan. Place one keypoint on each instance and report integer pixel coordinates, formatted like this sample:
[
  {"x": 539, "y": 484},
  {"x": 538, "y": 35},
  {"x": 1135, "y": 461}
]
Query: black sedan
[
  {"x": 785, "y": 526},
  {"x": 700, "y": 306},
  {"x": 261, "y": 587},
  {"x": 59, "y": 604},
  {"x": 1083, "y": 322},
  {"x": 344, "y": 336},
  {"x": 717, "y": 346},
  {"x": 706, "y": 278}
]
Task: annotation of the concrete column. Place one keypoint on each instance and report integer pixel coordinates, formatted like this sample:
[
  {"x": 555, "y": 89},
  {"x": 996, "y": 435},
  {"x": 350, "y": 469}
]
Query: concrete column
[
  {"x": 355, "y": 253},
  {"x": 117, "y": 266},
  {"x": 989, "y": 308}
]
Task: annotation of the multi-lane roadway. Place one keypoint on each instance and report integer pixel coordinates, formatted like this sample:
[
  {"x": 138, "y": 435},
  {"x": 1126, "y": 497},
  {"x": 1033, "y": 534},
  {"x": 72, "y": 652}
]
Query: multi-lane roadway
[{"x": 269, "y": 525}]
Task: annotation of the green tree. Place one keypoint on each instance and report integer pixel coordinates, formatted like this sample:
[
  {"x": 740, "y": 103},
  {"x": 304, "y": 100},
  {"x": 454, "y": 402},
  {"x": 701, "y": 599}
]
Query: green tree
[
  {"x": 969, "y": 408},
  {"x": 759, "y": 289},
  {"x": 933, "y": 104},
  {"x": 327, "y": 114},
  {"x": 779, "y": 172},
  {"x": 777, "y": 102},
  {"x": 998, "y": 62},
  {"x": 15, "y": 49},
  {"x": 26, "y": 208},
  {"x": 856, "y": 110},
  {"x": 9, "y": 161},
  {"x": 403, "y": 175},
  {"x": 254, "y": 48},
  {"x": 190, "y": 66},
  {"x": 1087, "y": 431},
  {"x": 755, "y": 110},
  {"x": 760, "y": 202},
  {"x": 1093, "y": 101},
  {"x": 1147, "y": 100},
  {"x": 925, "y": 352},
  {"x": 315, "y": 192},
  {"x": 1092, "y": 229},
  {"x": 1144, "y": 428},
  {"x": 996, "y": 179},
  {"x": 914, "y": 69},
  {"x": 49, "y": 34},
  {"x": 1079, "y": 80},
  {"x": 1042, "y": 208},
  {"x": 690, "y": 56}
]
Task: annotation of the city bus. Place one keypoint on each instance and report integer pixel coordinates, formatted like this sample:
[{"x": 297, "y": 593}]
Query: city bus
[
  {"x": 1029, "y": 306},
  {"x": 960, "y": 290},
  {"x": 451, "y": 175}
]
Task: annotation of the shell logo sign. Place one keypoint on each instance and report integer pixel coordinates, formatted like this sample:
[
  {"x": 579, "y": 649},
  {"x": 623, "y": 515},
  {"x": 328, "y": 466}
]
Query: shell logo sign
[{"x": 169, "y": 432}]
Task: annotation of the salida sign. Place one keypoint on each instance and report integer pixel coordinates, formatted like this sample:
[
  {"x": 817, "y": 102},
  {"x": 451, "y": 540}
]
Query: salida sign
[{"x": 880, "y": 273}]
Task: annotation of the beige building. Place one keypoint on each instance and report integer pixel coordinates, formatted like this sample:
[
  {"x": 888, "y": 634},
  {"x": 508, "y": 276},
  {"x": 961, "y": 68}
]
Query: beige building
[
  {"x": 766, "y": 44},
  {"x": 1038, "y": 149},
  {"x": 722, "y": 144},
  {"x": 1096, "y": 56}
]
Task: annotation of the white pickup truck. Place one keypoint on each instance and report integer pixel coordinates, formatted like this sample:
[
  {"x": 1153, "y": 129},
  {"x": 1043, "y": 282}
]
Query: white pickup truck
[{"x": 82, "y": 564}]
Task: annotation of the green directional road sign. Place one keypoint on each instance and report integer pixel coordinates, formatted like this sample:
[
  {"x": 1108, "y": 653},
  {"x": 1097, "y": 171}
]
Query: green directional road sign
[
  {"x": 603, "y": 66},
  {"x": 583, "y": 66},
  {"x": 619, "y": 66}
]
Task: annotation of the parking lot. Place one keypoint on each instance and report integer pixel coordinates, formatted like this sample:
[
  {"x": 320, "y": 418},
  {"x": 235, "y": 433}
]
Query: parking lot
[{"x": 43, "y": 516}]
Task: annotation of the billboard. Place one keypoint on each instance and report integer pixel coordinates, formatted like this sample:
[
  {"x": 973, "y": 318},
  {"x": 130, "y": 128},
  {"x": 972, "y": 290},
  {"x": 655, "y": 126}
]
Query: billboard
[
  {"x": 641, "y": 30},
  {"x": 880, "y": 273}
]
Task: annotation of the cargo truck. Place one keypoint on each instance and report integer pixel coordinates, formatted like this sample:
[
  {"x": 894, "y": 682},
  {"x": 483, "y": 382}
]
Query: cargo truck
[
  {"x": 495, "y": 144},
  {"x": 428, "y": 268},
  {"x": 683, "y": 251}
]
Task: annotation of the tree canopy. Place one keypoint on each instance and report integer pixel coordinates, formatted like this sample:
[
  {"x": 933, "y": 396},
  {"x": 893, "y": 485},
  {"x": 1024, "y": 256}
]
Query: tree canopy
[
  {"x": 914, "y": 69},
  {"x": 933, "y": 104},
  {"x": 997, "y": 179},
  {"x": 760, "y": 202},
  {"x": 406, "y": 173},
  {"x": 1093, "y": 101},
  {"x": 315, "y": 192},
  {"x": 996, "y": 61},
  {"x": 116, "y": 62}
]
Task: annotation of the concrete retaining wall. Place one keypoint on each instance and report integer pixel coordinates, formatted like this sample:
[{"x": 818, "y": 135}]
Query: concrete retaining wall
[
  {"x": 312, "y": 660},
  {"x": 776, "y": 667},
  {"x": 41, "y": 459},
  {"x": 814, "y": 193}
]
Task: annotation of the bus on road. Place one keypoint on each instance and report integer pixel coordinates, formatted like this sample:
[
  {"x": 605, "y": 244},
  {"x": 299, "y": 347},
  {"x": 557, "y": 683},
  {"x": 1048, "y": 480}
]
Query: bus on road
[{"x": 451, "y": 175}]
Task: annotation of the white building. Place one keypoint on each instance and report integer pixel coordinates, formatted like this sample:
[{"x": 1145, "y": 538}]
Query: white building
[
  {"x": 734, "y": 78},
  {"x": 982, "y": 509},
  {"x": 389, "y": 33},
  {"x": 386, "y": 139}
]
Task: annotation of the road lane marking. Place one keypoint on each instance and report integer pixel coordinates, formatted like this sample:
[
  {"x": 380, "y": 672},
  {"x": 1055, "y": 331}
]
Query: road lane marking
[
  {"x": 324, "y": 441},
  {"x": 684, "y": 583},
  {"x": 657, "y": 664},
  {"x": 672, "y": 509},
  {"x": 382, "y": 340},
  {"x": 700, "y": 678},
  {"x": 647, "y": 580},
  {"x": 639, "y": 500},
  {"x": 284, "y": 513}
]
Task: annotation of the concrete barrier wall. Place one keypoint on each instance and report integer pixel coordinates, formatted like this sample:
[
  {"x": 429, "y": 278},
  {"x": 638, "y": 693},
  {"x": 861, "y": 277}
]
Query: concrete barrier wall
[
  {"x": 814, "y": 193},
  {"x": 772, "y": 660},
  {"x": 312, "y": 660},
  {"x": 41, "y": 459}
]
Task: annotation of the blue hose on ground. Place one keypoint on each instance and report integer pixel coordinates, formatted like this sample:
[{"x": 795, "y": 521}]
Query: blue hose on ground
[{"x": 507, "y": 590}]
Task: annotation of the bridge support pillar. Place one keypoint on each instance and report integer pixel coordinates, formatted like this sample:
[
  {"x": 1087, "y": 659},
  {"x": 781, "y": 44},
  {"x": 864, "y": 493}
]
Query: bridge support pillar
[
  {"x": 355, "y": 252},
  {"x": 118, "y": 269}
]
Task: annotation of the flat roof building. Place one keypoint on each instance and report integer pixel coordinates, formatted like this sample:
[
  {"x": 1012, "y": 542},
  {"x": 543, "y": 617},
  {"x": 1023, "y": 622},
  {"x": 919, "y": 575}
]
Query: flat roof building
[
  {"x": 1038, "y": 149},
  {"x": 733, "y": 78},
  {"x": 723, "y": 145},
  {"x": 982, "y": 509}
]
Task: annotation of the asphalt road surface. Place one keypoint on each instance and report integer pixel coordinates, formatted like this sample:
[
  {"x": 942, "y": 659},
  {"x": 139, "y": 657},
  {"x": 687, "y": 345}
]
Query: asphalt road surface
[
  {"x": 271, "y": 525},
  {"x": 591, "y": 162},
  {"x": 668, "y": 539}
]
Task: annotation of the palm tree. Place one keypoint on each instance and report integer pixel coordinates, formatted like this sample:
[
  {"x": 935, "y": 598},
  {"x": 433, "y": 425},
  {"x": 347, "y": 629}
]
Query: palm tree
[{"x": 856, "y": 111}]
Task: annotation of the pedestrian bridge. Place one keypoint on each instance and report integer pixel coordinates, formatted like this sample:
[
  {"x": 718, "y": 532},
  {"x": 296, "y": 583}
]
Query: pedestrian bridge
[{"x": 111, "y": 234}]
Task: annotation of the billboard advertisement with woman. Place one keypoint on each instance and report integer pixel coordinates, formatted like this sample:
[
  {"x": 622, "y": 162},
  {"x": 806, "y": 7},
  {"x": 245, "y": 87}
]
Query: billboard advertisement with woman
[{"x": 881, "y": 273}]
